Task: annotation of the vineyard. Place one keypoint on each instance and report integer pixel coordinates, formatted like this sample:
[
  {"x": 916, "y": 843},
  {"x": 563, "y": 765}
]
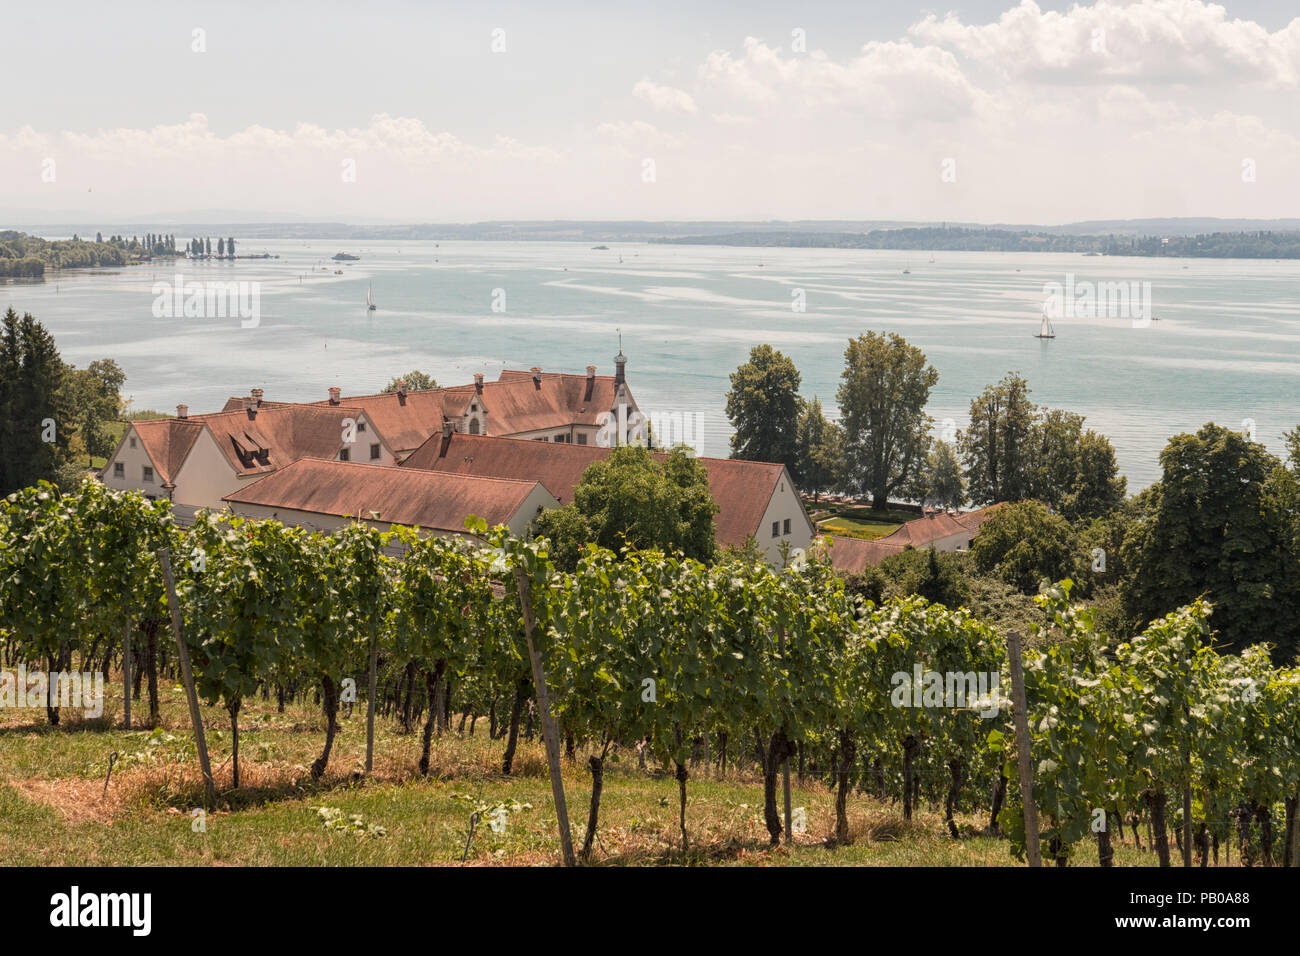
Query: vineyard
[{"x": 728, "y": 677}]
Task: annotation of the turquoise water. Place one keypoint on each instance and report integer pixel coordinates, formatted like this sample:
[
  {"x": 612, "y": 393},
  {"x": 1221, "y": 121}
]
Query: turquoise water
[{"x": 1225, "y": 348}]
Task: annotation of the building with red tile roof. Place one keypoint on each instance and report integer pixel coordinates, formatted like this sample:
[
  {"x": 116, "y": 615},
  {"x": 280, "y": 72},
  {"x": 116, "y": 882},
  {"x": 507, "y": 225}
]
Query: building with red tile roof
[
  {"x": 195, "y": 460},
  {"x": 754, "y": 498},
  {"x": 323, "y": 495},
  {"x": 545, "y": 406},
  {"x": 944, "y": 531}
]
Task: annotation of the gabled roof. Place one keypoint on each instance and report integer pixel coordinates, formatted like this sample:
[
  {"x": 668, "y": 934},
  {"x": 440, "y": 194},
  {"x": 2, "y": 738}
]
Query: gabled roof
[
  {"x": 971, "y": 520},
  {"x": 277, "y": 435},
  {"x": 921, "y": 532},
  {"x": 406, "y": 496},
  {"x": 855, "y": 554},
  {"x": 742, "y": 489},
  {"x": 167, "y": 441},
  {"x": 515, "y": 403},
  {"x": 558, "y": 467},
  {"x": 236, "y": 403},
  {"x": 406, "y": 424}
]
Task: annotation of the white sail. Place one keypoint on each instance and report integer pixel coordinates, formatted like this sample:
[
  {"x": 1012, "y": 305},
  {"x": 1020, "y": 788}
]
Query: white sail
[{"x": 370, "y": 303}]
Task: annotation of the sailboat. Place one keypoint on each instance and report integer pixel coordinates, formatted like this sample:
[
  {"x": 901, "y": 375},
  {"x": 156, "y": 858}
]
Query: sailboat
[
  {"x": 1045, "y": 330},
  {"x": 907, "y": 269},
  {"x": 370, "y": 304}
]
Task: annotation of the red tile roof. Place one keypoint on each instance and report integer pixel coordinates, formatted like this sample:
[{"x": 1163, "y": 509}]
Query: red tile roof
[
  {"x": 167, "y": 441},
  {"x": 406, "y": 424},
  {"x": 276, "y": 436},
  {"x": 921, "y": 532},
  {"x": 407, "y": 496},
  {"x": 515, "y": 404},
  {"x": 558, "y": 466},
  {"x": 742, "y": 489},
  {"x": 855, "y": 554},
  {"x": 286, "y": 433}
]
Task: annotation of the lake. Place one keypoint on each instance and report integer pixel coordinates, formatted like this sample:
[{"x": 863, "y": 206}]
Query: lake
[{"x": 1225, "y": 348}]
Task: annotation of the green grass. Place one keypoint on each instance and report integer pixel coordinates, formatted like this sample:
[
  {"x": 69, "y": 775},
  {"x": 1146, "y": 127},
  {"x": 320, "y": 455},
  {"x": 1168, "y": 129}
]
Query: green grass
[
  {"x": 52, "y": 812},
  {"x": 849, "y": 528}
]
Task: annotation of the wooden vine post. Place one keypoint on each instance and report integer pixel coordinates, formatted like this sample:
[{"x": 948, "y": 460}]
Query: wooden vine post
[
  {"x": 126, "y": 669},
  {"x": 549, "y": 734},
  {"x": 1022, "y": 750},
  {"x": 370, "y": 709},
  {"x": 785, "y": 761},
  {"x": 183, "y": 655}
]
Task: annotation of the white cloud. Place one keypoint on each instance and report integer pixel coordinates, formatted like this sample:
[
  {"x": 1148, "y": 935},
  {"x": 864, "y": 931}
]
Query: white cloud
[
  {"x": 1159, "y": 41},
  {"x": 664, "y": 99},
  {"x": 893, "y": 80},
  {"x": 1041, "y": 127},
  {"x": 637, "y": 134},
  {"x": 732, "y": 119}
]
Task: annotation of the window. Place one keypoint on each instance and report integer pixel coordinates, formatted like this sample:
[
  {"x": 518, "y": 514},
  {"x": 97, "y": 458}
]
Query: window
[
  {"x": 776, "y": 529},
  {"x": 562, "y": 439},
  {"x": 543, "y": 438},
  {"x": 361, "y": 426},
  {"x": 374, "y": 453},
  {"x": 345, "y": 454},
  {"x": 132, "y": 442},
  {"x": 786, "y": 528},
  {"x": 473, "y": 426},
  {"x": 582, "y": 438},
  {"x": 148, "y": 474},
  {"x": 119, "y": 470}
]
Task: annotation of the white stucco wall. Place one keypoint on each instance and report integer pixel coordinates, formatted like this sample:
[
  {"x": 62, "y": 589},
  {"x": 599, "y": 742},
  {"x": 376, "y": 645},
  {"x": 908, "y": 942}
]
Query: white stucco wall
[
  {"x": 205, "y": 476},
  {"x": 785, "y": 505},
  {"x": 133, "y": 461}
]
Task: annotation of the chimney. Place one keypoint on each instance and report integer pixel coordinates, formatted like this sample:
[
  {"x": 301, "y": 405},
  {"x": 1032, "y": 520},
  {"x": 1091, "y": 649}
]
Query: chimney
[
  {"x": 591, "y": 383},
  {"x": 257, "y": 396},
  {"x": 401, "y": 391},
  {"x": 182, "y": 411},
  {"x": 620, "y": 366},
  {"x": 251, "y": 407},
  {"x": 447, "y": 428},
  {"x": 335, "y": 392},
  {"x": 478, "y": 382},
  {"x": 537, "y": 376}
]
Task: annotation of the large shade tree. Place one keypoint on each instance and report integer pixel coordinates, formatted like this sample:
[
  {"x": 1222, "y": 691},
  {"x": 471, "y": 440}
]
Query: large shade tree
[
  {"x": 763, "y": 406},
  {"x": 882, "y": 396},
  {"x": 1219, "y": 524}
]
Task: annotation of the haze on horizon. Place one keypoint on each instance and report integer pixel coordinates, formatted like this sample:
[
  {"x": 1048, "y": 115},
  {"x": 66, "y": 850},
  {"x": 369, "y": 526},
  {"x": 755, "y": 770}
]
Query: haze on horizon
[{"x": 393, "y": 111}]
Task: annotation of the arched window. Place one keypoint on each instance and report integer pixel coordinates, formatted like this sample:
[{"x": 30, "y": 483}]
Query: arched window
[{"x": 473, "y": 426}]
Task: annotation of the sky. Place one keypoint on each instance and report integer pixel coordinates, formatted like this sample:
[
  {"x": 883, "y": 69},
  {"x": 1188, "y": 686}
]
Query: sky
[{"x": 386, "y": 111}]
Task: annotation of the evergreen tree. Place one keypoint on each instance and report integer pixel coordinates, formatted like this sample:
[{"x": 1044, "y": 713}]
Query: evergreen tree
[{"x": 35, "y": 418}]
